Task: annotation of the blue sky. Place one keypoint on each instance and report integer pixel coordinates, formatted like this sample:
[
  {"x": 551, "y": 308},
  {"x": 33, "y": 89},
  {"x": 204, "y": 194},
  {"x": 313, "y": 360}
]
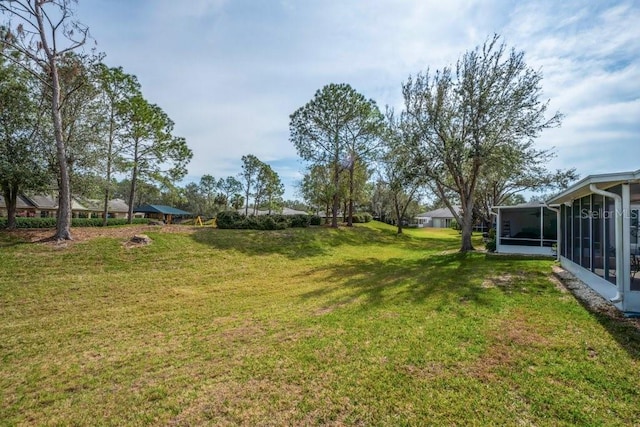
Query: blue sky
[{"x": 230, "y": 72}]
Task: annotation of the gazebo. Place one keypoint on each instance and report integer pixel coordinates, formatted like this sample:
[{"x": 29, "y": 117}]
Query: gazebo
[{"x": 161, "y": 212}]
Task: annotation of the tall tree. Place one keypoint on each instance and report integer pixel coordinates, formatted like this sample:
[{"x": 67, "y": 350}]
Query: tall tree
[
  {"x": 81, "y": 120},
  {"x": 316, "y": 188},
  {"x": 403, "y": 178},
  {"x": 208, "y": 187},
  {"x": 228, "y": 187},
  {"x": 463, "y": 118},
  {"x": 115, "y": 88},
  {"x": 22, "y": 166},
  {"x": 271, "y": 189},
  {"x": 250, "y": 169},
  {"x": 44, "y": 32},
  {"x": 332, "y": 130},
  {"x": 362, "y": 143},
  {"x": 151, "y": 145}
]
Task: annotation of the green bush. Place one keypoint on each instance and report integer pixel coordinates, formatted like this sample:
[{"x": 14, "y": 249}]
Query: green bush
[
  {"x": 491, "y": 245},
  {"x": 234, "y": 220},
  {"x": 362, "y": 217},
  {"x": 315, "y": 220},
  {"x": 229, "y": 219},
  {"x": 22, "y": 222},
  {"x": 300, "y": 220},
  {"x": 454, "y": 225}
]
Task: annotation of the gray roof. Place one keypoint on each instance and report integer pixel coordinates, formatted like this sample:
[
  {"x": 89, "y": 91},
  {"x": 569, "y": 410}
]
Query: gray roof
[
  {"x": 114, "y": 205},
  {"x": 162, "y": 209},
  {"x": 21, "y": 203},
  {"x": 42, "y": 201},
  {"x": 118, "y": 205},
  {"x": 289, "y": 211},
  {"x": 439, "y": 213}
]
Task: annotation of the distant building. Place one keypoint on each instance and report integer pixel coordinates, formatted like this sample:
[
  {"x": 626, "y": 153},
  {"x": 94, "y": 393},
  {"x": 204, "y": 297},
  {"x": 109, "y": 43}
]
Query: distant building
[
  {"x": 439, "y": 218},
  {"x": 45, "y": 206}
]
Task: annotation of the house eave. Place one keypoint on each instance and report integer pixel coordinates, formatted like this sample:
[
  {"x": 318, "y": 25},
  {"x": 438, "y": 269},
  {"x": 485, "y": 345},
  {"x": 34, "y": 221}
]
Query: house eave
[{"x": 602, "y": 181}]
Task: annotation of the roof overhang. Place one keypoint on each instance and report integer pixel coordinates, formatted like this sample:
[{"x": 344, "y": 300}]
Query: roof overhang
[{"x": 602, "y": 181}]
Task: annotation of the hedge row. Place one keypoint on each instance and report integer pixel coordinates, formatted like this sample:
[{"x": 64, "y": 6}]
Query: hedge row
[
  {"x": 362, "y": 217},
  {"x": 234, "y": 220},
  {"x": 22, "y": 222}
]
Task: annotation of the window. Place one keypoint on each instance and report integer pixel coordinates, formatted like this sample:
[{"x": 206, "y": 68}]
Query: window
[
  {"x": 575, "y": 232},
  {"x": 585, "y": 232},
  {"x": 597, "y": 234}
]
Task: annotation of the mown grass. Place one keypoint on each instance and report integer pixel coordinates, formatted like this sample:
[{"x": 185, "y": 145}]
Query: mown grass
[{"x": 302, "y": 327}]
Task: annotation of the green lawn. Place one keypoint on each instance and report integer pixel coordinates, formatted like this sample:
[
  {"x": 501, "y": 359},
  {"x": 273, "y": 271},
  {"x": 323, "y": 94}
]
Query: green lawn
[{"x": 302, "y": 327}]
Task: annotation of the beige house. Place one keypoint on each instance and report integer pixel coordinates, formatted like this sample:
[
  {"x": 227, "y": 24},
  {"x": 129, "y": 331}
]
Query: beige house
[{"x": 45, "y": 206}]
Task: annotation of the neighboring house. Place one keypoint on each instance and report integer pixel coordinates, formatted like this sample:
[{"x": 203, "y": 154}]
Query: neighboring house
[
  {"x": 597, "y": 234},
  {"x": 289, "y": 211},
  {"x": 116, "y": 208},
  {"x": 23, "y": 207},
  {"x": 164, "y": 213},
  {"x": 439, "y": 218},
  {"x": 527, "y": 228},
  {"x": 45, "y": 206},
  {"x": 285, "y": 211}
]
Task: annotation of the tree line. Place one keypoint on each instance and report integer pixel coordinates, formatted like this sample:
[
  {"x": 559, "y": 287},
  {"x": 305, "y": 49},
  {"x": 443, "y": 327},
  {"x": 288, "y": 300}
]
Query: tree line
[
  {"x": 69, "y": 121},
  {"x": 465, "y": 135}
]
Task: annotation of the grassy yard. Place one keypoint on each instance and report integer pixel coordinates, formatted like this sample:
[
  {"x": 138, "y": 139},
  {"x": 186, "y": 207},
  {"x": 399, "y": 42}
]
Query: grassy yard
[{"x": 302, "y": 327}]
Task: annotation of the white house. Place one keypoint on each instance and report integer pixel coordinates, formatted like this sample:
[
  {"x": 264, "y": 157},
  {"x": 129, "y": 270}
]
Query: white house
[{"x": 439, "y": 218}]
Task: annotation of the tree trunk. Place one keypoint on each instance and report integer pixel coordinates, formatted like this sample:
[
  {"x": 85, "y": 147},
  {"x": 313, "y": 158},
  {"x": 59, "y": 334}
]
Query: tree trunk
[
  {"x": 398, "y": 220},
  {"x": 10, "y": 200},
  {"x": 467, "y": 226},
  {"x": 246, "y": 200},
  {"x": 350, "y": 217},
  {"x": 132, "y": 193},
  {"x": 336, "y": 198},
  {"x": 105, "y": 211},
  {"x": 334, "y": 210},
  {"x": 63, "y": 225}
]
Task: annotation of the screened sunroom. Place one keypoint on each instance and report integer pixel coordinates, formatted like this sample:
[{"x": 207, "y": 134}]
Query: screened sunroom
[
  {"x": 598, "y": 239},
  {"x": 529, "y": 228}
]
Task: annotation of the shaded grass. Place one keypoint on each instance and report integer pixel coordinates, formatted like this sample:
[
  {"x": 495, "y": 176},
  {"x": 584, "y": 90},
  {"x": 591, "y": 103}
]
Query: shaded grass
[{"x": 317, "y": 326}]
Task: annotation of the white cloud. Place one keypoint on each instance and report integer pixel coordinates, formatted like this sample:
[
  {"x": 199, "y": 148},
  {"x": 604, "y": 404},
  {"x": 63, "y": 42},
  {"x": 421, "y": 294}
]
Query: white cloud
[{"x": 229, "y": 73}]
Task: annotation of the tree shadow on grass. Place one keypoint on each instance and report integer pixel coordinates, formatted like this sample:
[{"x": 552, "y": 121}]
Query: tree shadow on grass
[
  {"x": 296, "y": 243},
  {"x": 448, "y": 278}
]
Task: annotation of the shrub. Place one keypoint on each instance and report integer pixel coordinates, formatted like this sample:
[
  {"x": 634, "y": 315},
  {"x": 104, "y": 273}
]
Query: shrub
[
  {"x": 491, "y": 244},
  {"x": 362, "y": 217},
  {"x": 230, "y": 219},
  {"x": 315, "y": 220},
  {"x": 234, "y": 220},
  {"x": 492, "y": 233},
  {"x": 22, "y": 222},
  {"x": 300, "y": 220}
]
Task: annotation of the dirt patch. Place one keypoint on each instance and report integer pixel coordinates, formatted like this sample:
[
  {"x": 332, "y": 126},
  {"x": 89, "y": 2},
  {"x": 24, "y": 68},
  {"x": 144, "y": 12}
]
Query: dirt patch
[
  {"x": 506, "y": 280},
  {"x": 514, "y": 336}
]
